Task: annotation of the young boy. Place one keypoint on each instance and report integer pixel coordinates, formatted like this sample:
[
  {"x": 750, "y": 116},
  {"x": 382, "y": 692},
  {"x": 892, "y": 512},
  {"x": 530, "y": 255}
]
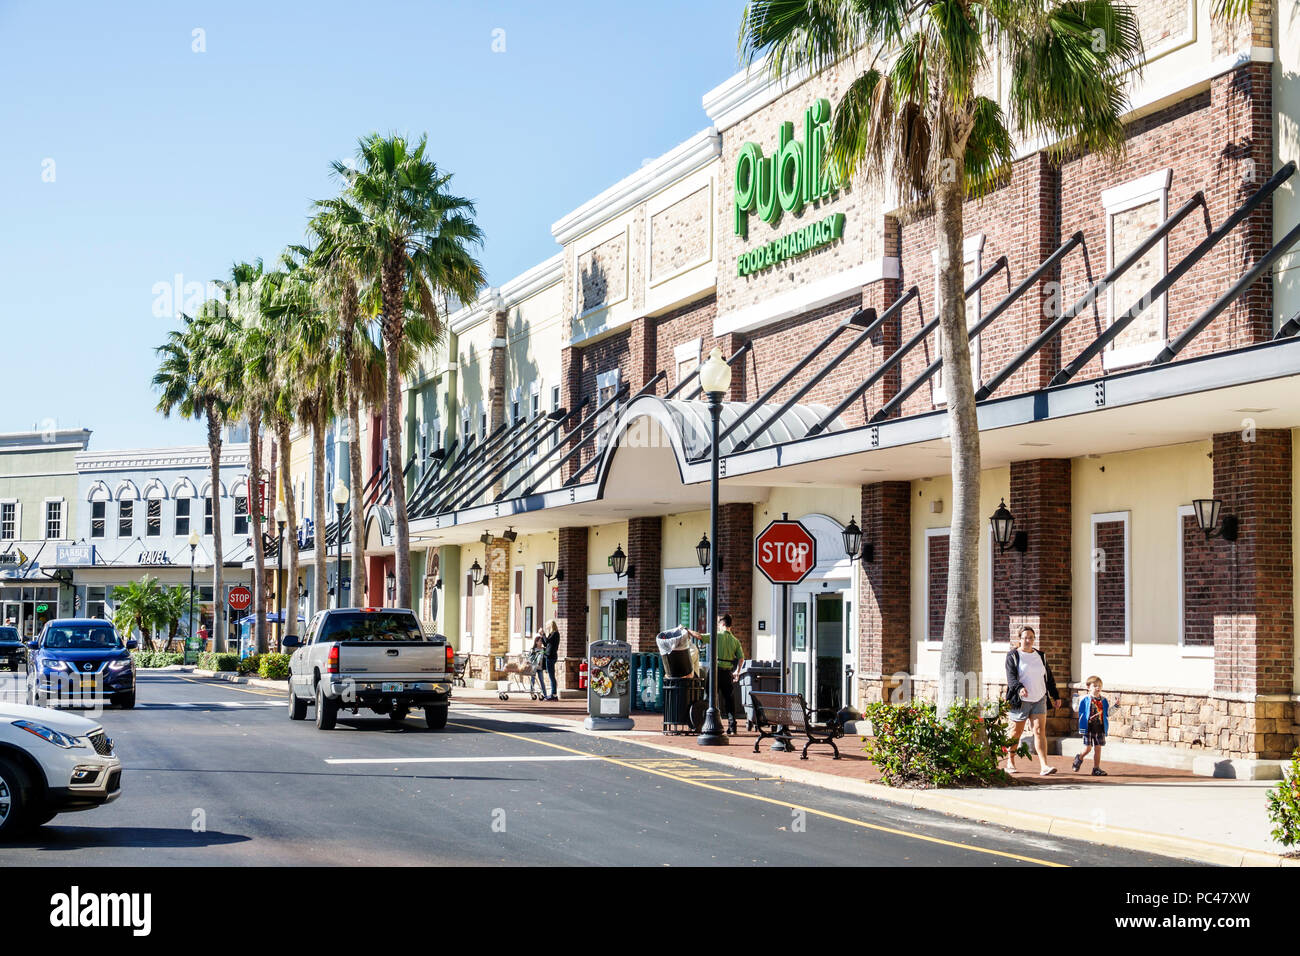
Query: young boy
[{"x": 1094, "y": 722}]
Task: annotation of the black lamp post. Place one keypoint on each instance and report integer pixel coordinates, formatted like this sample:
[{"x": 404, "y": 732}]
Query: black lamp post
[
  {"x": 715, "y": 379},
  {"x": 1209, "y": 520},
  {"x": 281, "y": 519},
  {"x": 1001, "y": 522},
  {"x": 194, "y": 543},
  {"x": 341, "y": 498}
]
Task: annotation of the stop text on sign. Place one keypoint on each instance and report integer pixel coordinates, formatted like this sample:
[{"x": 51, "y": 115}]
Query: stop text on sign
[{"x": 785, "y": 551}]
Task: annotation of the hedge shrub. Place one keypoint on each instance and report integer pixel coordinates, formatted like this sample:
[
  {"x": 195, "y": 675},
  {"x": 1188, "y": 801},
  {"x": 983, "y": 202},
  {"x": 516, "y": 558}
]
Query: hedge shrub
[
  {"x": 274, "y": 667},
  {"x": 249, "y": 664},
  {"x": 225, "y": 661},
  {"x": 156, "y": 658},
  {"x": 1284, "y": 804},
  {"x": 914, "y": 747}
]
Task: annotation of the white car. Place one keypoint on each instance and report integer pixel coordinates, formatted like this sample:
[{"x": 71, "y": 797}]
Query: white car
[{"x": 52, "y": 762}]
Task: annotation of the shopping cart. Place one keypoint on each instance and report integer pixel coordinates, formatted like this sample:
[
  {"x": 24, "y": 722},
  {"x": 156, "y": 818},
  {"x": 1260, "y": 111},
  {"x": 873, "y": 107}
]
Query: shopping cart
[{"x": 519, "y": 672}]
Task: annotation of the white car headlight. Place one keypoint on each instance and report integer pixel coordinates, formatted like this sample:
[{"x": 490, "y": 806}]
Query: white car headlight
[
  {"x": 118, "y": 665},
  {"x": 49, "y": 735},
  {"x": 58, "y": 666}
]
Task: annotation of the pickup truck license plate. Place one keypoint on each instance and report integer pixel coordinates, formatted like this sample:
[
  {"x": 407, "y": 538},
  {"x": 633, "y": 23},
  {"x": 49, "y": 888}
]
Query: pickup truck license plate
[{"x": 392, "y": 687}]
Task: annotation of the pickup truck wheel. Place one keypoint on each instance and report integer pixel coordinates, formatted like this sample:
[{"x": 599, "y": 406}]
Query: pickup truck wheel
[
  {"x": 398, "y": 714},
  {"x": 327, "y": 711},
  {"x": 16, "y": 796},
  {"x": 297, "y": 706},
  {"x": 435, "y": 717}
]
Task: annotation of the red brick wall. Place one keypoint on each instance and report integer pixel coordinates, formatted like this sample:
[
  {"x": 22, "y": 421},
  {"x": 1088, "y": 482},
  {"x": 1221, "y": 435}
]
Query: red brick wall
[
  {"x": 736, "y": 572},
  {"x": 1197, "y": 584},
  {"x": 936, "y": 591},
  {"x": 1254, "y": 624},
  {"x": 885, "y": 600},
  {"x": 571, "y": 606},
  {"x": 1111, "y": 606},
  {"x": 1041, "y": 593},
  {"x": 644, "y": 555}
]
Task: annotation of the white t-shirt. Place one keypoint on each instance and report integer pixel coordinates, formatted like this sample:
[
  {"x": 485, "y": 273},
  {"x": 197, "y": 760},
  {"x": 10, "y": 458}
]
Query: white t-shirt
[{"x": 1033, "y": 676}]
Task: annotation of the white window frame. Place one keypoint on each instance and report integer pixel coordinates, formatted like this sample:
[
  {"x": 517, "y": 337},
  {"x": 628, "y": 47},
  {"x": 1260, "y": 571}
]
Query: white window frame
[
  {"x": 18, "y": 519},
  {"x": 692, "y": 577},
  {"x": 63, "y": 519},
  {"x": 1195, "y": 650},
  {"x": 535, "y": 398},
  {"x": 926, "y": 642},
  {"x": 247, "y": 515},
  {"x": 117, "y": 522},
  {"x": 605, "y": 423},
  {"x": 161, "y": 517},
  {"x": 684, "y": 353},
  {"x": 516, "y": 405},
  {"x": 1105, "y": 517},
  {"x": 189, "y": 517},
  {"x": 972, "y": 251},
  {"x": 90, "y": 531},
  {"x": 466, "y": 427},
  {"x": 1121, "y": 198}
]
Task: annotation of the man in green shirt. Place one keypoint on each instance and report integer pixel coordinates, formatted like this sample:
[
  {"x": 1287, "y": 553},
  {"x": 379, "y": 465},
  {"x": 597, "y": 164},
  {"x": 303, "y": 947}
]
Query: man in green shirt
[{"x": 730, "y": 657}]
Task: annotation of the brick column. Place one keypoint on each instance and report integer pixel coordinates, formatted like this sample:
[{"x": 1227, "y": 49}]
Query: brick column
[
  {"x": 641, "y": 346},
  {"x": 1035, "y": 588},
  {"x": 497, "y": 380},
  {"x": 498, "y": 568},
  {"x": 885, "y": 596},
  {"x": 1254, "y": 637},
  {"x": 571, "y": 389},
  {"x": 736, "y": 571},
  {"x": 571, "y": 608},
  {"x": 644, "y": 558}
]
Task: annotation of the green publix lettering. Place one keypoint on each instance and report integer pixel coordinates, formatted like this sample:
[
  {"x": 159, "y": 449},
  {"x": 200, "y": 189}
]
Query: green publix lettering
[{"x": 786, "y": 181}]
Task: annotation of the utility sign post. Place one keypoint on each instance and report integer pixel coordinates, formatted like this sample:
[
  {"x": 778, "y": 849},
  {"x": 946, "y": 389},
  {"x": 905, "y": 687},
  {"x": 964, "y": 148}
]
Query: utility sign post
[{"x": 785, "y": 551}]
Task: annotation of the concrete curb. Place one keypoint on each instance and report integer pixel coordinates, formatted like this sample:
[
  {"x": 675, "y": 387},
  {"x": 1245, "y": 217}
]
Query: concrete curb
[
  {"x": 228, "y": 676},
  {"x": 940, "y": 801}
]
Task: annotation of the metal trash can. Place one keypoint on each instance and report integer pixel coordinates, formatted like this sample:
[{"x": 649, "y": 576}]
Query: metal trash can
[
  {"x": 760, "y": 676},
  {"x": 684, "y": 705}
]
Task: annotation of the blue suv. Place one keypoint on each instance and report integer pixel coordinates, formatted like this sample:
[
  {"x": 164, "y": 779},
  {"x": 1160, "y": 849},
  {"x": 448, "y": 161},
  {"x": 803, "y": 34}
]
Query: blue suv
[{"x": 81, "y": 661}]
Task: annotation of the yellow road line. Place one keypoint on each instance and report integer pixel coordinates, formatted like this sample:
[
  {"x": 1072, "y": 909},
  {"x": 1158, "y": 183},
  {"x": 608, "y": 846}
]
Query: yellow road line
[{"x": 629, "y": 765}]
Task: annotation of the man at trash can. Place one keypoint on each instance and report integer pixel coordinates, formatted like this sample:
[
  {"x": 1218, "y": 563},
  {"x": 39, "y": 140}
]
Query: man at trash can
[{"x": 730, "y": 656}]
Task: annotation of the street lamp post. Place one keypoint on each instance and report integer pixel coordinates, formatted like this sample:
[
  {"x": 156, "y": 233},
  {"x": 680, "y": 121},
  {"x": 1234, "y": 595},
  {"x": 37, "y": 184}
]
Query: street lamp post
[
  {"x": 715, "y": 379},
  {"x": 194, "y": 543},
  {"x": 341, "y": 497},
  {"x": 281, "y": 519}
]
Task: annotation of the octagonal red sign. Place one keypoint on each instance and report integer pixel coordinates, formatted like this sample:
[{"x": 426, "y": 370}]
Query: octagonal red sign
[
  {"x": 240, "y": 598},
  {"x": 785, "y": 551}
]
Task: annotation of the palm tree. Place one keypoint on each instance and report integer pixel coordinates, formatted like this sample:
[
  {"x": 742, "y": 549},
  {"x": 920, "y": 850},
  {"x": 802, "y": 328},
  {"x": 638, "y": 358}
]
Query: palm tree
[
  {"x": 913, "y": 115},
  {"x": 173, "y": 606},
  {"x": 241, "y": 372},
  {"x": 137, "y": 607},
  {"x": 405, "y": 229},
  {"x": 189, "y": 388}
]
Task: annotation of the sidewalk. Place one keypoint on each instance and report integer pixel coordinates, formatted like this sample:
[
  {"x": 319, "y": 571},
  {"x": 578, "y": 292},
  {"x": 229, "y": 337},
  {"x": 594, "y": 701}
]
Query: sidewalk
[{"x": 1172, "y": 812}]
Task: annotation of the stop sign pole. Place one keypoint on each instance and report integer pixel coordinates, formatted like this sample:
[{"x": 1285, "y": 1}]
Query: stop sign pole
[{"x": 785, "y": 551}]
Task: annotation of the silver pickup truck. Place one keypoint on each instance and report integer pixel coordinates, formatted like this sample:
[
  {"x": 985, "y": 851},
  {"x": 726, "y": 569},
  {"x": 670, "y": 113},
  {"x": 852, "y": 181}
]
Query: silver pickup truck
[{"x": 377, "y": 658}]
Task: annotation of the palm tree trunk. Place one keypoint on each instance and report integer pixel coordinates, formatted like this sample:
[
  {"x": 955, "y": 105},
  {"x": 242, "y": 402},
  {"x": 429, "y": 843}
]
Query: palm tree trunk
[
  {"x": 218, "y": 571},
  {"x": 960, "y": 676},
  {"x": 358, "y": 532},
  {"x": 392, "y": 301},
  {"x": 290, "y": 584},
  {"x": 255, "y": 515},
  {"x": 320, "y": 548}
]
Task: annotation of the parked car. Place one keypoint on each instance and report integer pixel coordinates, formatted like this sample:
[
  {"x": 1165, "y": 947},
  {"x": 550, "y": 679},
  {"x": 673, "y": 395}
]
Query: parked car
[
  {"x": 13, "y": 651},
  {"x": 81, "y": 661},
  {"x": 377, "y": 658},
  {"x": 52, "y": 762}
]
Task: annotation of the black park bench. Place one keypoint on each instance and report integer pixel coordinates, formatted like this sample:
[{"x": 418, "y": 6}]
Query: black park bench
[{"x": 773, "y": 711}]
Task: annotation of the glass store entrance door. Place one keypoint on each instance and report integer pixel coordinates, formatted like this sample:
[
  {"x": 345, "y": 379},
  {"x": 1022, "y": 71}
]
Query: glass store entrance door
[
  {"x": 821, "y": 646},
  {"x": 828, "y": 694},
  {"x": 613, "y": 616}
]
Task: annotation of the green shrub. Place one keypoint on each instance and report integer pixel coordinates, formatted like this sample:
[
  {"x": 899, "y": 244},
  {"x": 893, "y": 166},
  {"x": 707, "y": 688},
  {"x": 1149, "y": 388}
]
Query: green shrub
[
  {"x": 210, "y": 661},
  {"x": 274, "y": 667},
  {"x": 249, "y": 664},
  {"x": 1284, "y": 804},
  {"x": 914, "y": 747},
  {"x": 156, "y": 658}
]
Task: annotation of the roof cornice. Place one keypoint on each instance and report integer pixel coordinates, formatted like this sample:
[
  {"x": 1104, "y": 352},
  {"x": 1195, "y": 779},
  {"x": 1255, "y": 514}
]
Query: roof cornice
[
  {"x": 698, "y": 151},
  {"x": 748, "y": 92},
  {"x": 185, "y": 456}
]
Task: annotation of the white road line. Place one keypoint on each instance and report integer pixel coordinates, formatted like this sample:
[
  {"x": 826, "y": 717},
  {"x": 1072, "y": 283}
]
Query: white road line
[{"x": 380, "y": 760}]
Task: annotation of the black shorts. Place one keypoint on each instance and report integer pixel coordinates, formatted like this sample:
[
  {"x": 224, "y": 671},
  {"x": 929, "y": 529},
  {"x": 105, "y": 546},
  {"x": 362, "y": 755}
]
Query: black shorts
[{"x": 1094, "y": 738}]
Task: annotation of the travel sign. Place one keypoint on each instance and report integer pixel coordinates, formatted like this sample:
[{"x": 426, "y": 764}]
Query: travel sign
[{"x": 792, "y": 177}]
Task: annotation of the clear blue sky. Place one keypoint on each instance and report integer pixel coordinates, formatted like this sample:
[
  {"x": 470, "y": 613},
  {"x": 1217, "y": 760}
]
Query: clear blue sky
[{"x": 169, "y": 161}]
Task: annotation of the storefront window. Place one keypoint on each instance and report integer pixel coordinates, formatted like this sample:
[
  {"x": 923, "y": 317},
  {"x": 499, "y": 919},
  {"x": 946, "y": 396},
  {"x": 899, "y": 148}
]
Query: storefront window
[
  {"x": 98, "y": 510},
  {"x": 207, "y": 516},
  {"x": 153, "y": 518},
  {"x": 692, "y": 608},
  {"x": 96, "y": 603},
  {"x": 53, "y": 520},
  {"x": 8, "y": 521},
  {"x": 182, "y": 517},
  {"x": 126, "y": 519},
  {"x": 241, "y": 514}
]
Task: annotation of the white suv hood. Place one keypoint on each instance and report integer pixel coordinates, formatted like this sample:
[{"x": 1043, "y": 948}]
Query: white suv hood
[{"x": 51, "y": 717}]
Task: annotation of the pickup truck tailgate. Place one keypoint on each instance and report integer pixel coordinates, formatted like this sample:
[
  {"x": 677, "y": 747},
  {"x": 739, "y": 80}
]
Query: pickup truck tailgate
[{"x": 384, "y": 660}]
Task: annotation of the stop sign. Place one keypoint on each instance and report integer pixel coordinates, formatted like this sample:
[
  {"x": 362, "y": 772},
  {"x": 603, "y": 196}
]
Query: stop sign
[
  {"x": 240, "y": 598},
  {"x": 785, "y": 551}
]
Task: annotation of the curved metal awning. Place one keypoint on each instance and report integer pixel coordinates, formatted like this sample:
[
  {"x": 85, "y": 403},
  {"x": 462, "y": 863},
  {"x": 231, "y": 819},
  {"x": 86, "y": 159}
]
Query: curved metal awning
[{"x": 695, "y": 429}]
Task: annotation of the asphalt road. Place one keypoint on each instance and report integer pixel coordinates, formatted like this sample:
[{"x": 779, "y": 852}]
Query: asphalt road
[{"x": 218, "y": 775}]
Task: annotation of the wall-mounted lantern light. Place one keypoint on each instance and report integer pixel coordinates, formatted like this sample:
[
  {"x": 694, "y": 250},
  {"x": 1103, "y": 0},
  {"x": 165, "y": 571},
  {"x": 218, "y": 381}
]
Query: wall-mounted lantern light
[
  {"x": 1209, "y": 519},
  {"x": 391, "y": 581},
  {"x": 854, "y": 546},
  {"x": 703, "y": 552},
  {"x": 618, "y": 561},
  {"x": 478, "y": 575},
  {"x": 551, "y": 573},
  {"x": 1002, "y": 522}
]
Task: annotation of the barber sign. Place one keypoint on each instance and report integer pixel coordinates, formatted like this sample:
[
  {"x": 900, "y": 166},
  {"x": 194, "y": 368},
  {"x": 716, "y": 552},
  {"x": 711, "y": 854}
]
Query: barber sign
[{"x": 785, "y": 551}]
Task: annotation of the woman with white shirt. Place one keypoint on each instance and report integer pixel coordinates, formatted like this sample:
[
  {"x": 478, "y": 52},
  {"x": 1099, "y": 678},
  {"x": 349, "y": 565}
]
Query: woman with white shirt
[{"x": 1029, "y": 687}]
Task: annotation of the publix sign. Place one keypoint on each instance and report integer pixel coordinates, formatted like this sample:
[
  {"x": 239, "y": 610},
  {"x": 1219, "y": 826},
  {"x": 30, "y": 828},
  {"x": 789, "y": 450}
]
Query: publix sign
[{"x": 792, "y": 177}]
